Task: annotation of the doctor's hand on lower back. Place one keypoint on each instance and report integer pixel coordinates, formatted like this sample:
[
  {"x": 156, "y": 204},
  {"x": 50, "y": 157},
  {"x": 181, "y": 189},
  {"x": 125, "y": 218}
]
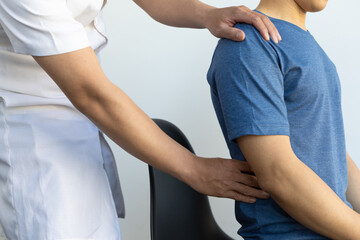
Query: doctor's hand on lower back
[
  {"x": 80, "y": 77},
  {"x": 225, "y": 178}
]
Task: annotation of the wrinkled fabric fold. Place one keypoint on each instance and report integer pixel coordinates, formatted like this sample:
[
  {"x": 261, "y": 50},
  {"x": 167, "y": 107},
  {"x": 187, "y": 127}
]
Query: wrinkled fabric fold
[{"x": 53, "y": 179}]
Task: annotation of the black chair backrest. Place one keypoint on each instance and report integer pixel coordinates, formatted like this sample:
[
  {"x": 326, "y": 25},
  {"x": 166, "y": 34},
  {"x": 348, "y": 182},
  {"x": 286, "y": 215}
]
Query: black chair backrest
[{"x": 177, "y": 211}]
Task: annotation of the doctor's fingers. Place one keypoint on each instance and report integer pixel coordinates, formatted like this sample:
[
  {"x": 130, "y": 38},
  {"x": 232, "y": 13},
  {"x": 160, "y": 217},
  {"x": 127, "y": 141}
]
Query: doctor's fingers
[
  {"x": 242, "y": 165},
  {"x": 261, "y": 22},
  {"x": 239, "y": 171},
  {"x": 246, "y": 179},
  {"x": 244, "y": 193},
  {"x": 274, "y": 33}
]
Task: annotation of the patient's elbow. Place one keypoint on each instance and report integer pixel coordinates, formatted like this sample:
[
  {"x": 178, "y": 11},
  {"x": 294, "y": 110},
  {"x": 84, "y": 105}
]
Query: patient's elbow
[
  {"x": 274, "y": 180},
  {"x": 272, "y": 160}
]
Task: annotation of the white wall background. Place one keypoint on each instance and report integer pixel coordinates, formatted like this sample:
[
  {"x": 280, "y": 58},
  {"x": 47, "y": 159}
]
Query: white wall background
[{"x": 163, "y": 69}]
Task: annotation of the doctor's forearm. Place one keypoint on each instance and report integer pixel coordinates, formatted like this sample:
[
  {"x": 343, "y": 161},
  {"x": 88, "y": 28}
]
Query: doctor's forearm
[
  {"x": 80, "y": 77},
  {"x": 177, "y": 13},
  {"x": 126, "y": 126}
]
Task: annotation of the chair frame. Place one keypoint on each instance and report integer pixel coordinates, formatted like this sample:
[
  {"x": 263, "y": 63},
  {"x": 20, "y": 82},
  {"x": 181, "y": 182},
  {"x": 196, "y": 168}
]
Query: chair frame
[{"x": 202, "y": 225}]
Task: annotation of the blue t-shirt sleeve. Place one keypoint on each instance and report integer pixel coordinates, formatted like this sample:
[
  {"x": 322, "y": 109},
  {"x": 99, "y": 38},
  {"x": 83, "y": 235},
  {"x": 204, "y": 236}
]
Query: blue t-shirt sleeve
[{"x": 248, "y": 88}]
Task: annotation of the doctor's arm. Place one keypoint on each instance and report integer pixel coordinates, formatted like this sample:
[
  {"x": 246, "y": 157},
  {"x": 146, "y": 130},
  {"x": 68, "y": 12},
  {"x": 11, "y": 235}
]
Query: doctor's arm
[
  {"x": 297, "y": 189},
  {"x": 219, "y": 21},
  {"x": 81, "y": 78},
  {"x": 353, "y": 190}
]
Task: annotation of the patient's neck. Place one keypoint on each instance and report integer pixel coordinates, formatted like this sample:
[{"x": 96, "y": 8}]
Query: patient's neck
[{"x": 287, "y": 10}]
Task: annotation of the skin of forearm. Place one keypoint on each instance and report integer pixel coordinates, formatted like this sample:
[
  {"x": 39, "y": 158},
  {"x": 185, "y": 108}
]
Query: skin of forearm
[
  {"x": 297, "y": 189},
  {"x": 127, "y": 131},
  {"x": 177, "y": 13},
  {"x": 96, "y": 97},
  {"x": 305, "y": 197},
  {"x": 353, "y": 190}
]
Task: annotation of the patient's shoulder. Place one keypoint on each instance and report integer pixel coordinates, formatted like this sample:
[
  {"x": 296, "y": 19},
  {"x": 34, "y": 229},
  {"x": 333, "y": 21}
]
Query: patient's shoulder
[
  {"x": 248, "y": 29},
  {"x": 254, "y": 47},
  {"x": 254, "y": 54}
]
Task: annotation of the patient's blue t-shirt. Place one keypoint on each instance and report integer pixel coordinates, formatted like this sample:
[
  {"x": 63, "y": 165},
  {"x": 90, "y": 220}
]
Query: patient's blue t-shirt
[{"x": 291, "y": 88}]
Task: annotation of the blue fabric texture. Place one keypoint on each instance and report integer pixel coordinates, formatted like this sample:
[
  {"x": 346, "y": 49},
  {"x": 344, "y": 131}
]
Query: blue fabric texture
[{"x": 291, "y": 88}]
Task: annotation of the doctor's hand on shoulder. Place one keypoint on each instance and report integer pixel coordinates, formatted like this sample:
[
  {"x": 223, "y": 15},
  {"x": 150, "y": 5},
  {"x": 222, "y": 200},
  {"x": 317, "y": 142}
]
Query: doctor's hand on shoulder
[{"x": 219, "y": 21}]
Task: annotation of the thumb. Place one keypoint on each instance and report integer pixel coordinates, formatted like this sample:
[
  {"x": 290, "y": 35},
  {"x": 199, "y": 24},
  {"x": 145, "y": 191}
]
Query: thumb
[{"x": 234, "y": 34}]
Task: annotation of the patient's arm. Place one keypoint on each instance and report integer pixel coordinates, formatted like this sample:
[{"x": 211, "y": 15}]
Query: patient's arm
[
  {"x": 353, "y": 190},
  {"x": 297, "y": 189}
]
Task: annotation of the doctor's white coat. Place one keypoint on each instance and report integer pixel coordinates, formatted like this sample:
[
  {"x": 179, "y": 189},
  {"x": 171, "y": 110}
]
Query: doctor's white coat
[{"x": 58, "y": 178}]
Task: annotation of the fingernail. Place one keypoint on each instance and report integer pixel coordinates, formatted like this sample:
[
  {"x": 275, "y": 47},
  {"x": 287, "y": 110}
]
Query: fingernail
[
  {"x": 252, "y": 200},
  {"x": 266, "y": 194},
  {"x": 240, "y": 37}
]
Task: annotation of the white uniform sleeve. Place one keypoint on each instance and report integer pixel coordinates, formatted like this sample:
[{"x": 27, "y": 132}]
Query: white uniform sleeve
[{"x": 41, "y": 27}]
